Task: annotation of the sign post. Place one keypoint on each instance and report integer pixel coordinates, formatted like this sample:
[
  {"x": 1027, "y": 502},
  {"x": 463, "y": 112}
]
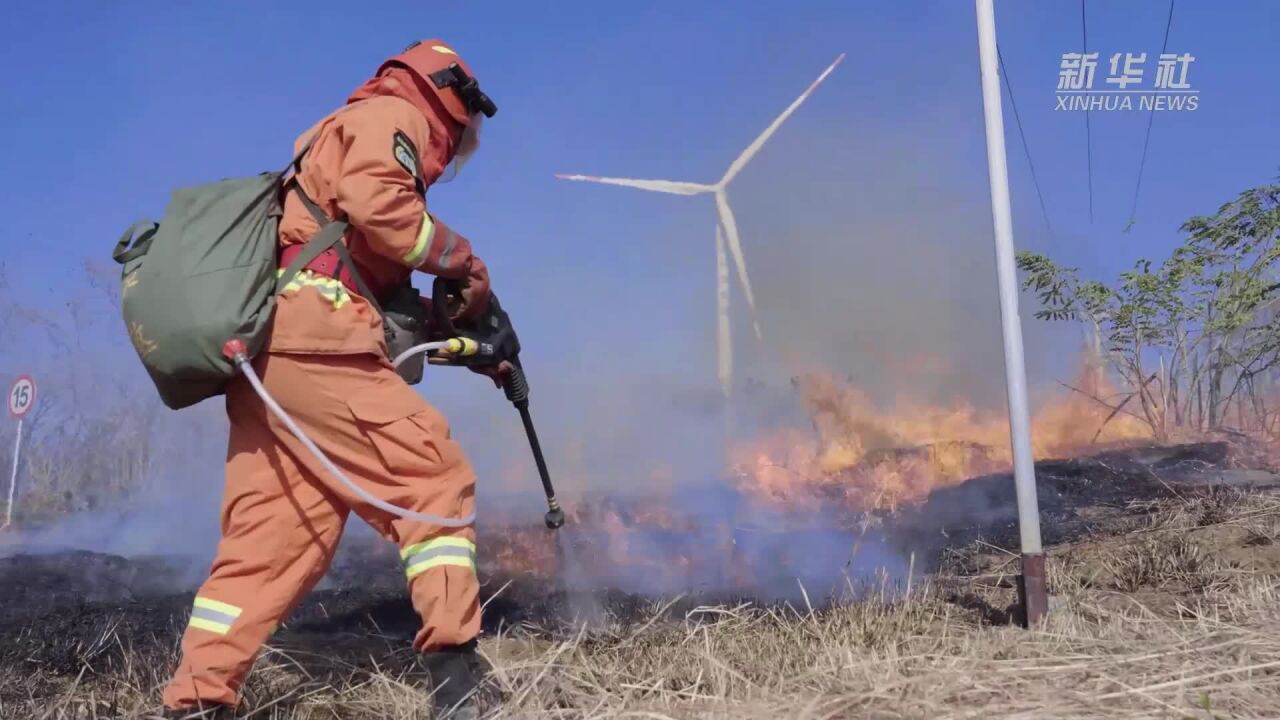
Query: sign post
[
  {"x": 1031, "y": 584},
  {"x": 22, "y": 397}
]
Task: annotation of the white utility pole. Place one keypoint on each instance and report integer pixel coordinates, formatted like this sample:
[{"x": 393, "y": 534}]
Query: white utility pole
[{"x": 1031, "y": 585}]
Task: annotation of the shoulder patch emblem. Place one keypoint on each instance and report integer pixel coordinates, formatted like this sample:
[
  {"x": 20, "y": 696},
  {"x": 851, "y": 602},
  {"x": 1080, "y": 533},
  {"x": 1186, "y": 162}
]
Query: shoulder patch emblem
[{"x": 406, "y": 154}]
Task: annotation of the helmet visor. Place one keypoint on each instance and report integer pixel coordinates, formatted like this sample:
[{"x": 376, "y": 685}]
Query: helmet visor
[{"x": 467, "y": 147}]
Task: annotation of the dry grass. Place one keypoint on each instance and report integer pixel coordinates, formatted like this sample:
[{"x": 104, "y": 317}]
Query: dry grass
[
  {"x": 1215, "y": 658},
  {"x": 1159, "y": 623}
]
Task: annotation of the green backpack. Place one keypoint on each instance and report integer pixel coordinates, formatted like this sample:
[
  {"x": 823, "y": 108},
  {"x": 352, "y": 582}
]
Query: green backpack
[{"x": 206, "y": 273}]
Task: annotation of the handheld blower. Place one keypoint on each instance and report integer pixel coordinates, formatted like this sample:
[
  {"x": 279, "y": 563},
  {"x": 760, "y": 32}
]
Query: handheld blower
[{"x": 490, "y": 342}]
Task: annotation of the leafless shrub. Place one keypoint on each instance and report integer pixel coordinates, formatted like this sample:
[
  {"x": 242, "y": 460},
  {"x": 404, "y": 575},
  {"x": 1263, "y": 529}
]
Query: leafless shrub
[
  {"x": 1217, "y": 505},
  {"x": 1261, "y": 530},
  {"x": 1160, "y": 562},
  {"x": 1172, "y": 516}
]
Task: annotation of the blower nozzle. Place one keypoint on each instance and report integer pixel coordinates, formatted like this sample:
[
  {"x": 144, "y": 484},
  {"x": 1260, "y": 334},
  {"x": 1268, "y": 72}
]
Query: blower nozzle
[{"x": 555, "y": 516}]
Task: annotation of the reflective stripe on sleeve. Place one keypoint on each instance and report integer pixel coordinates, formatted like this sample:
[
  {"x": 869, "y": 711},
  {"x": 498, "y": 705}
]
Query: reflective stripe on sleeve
[{"x": 414, "y": 257}]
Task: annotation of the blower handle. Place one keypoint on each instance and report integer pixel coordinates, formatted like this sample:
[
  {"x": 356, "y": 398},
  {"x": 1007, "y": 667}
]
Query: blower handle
[
  {"x": 514, "y": 384},
  {"x": 440, "y": 291}
]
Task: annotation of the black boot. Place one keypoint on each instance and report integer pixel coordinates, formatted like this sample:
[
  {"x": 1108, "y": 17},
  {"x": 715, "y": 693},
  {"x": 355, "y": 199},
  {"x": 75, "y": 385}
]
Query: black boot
[{"x": 456, "y": 673}]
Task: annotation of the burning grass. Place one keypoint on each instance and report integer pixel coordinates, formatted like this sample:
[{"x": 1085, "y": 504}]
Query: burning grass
[
  {"x": 1175, "y": 617},
  {"x": 865, "y": 457}
]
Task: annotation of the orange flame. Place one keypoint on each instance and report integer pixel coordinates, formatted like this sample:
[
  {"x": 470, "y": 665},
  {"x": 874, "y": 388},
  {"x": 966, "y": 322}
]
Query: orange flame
[{"x": 871, "y": 459}]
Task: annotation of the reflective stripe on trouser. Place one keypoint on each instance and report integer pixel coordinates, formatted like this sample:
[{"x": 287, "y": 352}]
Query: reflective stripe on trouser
[
  {"x": 214, "y": 616},
  {"x": 455, "y": 551},
  {"x": 282, "y": 516}
]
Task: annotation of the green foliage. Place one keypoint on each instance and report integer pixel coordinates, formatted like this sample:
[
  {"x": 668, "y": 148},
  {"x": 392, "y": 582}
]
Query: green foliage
[{"x": 1206, "y": 314}]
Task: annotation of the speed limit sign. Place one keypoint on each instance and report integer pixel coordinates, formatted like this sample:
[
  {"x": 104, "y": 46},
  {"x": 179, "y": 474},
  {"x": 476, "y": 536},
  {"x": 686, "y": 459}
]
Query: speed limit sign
[{"x": 22, "y": 396}]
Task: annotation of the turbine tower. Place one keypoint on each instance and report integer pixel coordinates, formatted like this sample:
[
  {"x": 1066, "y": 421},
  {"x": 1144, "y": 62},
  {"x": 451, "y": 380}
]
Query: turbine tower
[{"x": 726, "y": 230}]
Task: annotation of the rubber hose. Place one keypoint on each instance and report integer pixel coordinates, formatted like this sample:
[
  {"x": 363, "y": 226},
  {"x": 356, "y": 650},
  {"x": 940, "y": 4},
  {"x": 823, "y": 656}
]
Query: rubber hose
[
  {"x": 424, "y": 347},
  {"x": 328, "y": 464}
]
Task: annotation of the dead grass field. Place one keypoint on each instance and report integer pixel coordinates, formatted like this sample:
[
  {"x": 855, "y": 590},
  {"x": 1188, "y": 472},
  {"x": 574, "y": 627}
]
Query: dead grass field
[{"x": 1174, "y": 617}]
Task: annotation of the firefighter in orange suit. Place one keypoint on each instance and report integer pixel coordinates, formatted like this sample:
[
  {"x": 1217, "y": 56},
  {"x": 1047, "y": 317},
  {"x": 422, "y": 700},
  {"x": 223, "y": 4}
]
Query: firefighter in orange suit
[{"x": 326, "y": 364}]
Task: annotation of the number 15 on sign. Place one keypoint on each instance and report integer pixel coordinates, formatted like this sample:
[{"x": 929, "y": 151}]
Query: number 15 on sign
[{"x": 22, "y": 397}]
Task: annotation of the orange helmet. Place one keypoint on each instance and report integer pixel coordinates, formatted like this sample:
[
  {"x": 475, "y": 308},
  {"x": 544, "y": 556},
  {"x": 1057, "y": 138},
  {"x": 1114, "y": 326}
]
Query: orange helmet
[{"x": 448, "y": 76}]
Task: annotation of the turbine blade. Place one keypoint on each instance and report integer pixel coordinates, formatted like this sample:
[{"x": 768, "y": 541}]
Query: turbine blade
[
  {"x": 735, "y": 247},
  {"x": 753, "y": 148},
  {"x": 724, "y": 349},
  {"x": 662, "y": 186}
]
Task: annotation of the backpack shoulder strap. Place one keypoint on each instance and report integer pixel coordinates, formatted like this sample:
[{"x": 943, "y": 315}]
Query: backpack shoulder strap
[
  {"x": 330, "y": 234},
  {"x": 344, "y": 257},
  {"x": 316, "y": 213},
  {"x": 296, "y": 162}
]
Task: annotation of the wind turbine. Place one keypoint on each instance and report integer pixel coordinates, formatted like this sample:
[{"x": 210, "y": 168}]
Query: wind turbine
[{"x": 726, "y": 229}]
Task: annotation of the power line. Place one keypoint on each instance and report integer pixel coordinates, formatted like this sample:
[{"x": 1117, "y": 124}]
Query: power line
[
  {"x": 1013, "y": 103},
  {"x": 1142, "y": 164},
  {"x": 1088, "y": 132},
  {"x": 1004, "y": 73}
]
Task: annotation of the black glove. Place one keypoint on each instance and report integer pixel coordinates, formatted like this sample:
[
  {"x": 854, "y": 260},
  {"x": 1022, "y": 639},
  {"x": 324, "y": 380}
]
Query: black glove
[{"x": 497, "y": 346}]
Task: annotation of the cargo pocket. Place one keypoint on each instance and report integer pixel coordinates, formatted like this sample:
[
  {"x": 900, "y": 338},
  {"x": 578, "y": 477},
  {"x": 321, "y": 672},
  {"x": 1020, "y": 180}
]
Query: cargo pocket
[{"x": 409, "y": 436}]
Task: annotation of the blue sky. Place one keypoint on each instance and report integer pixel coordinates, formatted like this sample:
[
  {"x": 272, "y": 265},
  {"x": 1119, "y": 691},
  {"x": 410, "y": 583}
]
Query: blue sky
[{"x": 866, "y": 220}]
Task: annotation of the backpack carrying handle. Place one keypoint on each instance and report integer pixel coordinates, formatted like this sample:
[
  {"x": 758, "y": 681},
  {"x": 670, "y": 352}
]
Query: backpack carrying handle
[{"x": 135, "y": 241}]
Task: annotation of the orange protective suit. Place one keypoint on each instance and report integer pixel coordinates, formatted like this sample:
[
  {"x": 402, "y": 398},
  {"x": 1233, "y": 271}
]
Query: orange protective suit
[{"x": 325, "y": 363}]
